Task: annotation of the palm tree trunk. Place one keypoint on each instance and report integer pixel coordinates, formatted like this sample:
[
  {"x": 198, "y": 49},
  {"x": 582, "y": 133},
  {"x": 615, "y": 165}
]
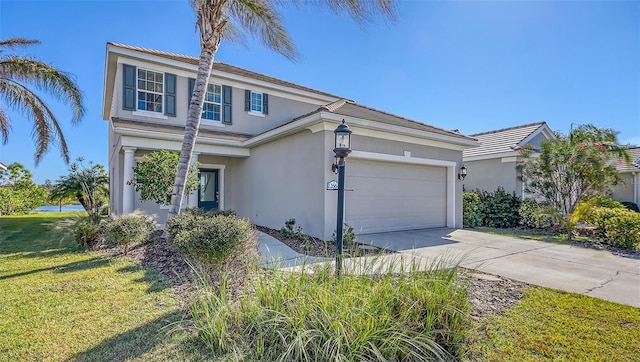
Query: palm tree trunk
[{"x": 192, "y": 126}]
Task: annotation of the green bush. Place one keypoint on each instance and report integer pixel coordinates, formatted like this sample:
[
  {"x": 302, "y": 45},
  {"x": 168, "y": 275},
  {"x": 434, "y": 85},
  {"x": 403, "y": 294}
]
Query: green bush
[
  {"x": 499, "y": 209},
  {"x": 601, "y": 201},
  {"x": 539, "y": 215},
  {"x": 128, "y": 229},
  {"x": 86, "y": 233},
  {"x": 471, "y": 215},
  {"x": 623, "y": 230},
  {"x": 631, "y": 206},
  {"x": 214, "y": 241},
  {"x": 314, "y": 316},
  {"x": 348, "y": 236},
  {"x": 618, "y": 226},
  {"x": 290, "y": 231}
]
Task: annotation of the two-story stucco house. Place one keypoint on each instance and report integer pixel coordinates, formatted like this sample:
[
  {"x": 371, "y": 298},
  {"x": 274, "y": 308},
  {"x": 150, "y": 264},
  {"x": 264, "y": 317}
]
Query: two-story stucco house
[
  {"x": 493, "y": 164},
  {"x": 265, "y": 148}
]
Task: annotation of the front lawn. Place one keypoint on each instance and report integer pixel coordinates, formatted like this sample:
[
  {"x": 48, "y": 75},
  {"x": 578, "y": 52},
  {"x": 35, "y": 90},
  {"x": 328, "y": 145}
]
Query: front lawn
[
  {"x": 58, "y": 302},
  {"x": 553, "y": 325}
]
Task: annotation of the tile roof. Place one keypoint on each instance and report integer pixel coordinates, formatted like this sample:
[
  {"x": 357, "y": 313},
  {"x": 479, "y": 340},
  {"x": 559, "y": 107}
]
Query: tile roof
[
  {"x": 222, "y": 67},
  {"x": 635, "y": 161},
  {"x": 501, "y": 140},
  {"x": 177, "y": 130},
  {"x": 350, "y": 108}
]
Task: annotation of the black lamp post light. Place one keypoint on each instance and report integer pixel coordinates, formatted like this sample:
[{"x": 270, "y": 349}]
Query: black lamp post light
[
  {"x": 341, "y": 150},
  {"x": 463, "y": 173}
]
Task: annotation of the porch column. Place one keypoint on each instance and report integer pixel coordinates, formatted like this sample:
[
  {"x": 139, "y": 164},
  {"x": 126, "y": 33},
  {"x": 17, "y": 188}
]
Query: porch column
[
  {"x": 128, "y": 191},
  {"x": 192, "y": 199}
]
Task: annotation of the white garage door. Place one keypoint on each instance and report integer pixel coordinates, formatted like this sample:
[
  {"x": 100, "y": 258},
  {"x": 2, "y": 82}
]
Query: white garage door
[{"x": 394, "y": 196}]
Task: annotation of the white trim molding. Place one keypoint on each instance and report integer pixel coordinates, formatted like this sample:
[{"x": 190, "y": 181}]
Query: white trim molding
[{"x": 406, "y": 158}]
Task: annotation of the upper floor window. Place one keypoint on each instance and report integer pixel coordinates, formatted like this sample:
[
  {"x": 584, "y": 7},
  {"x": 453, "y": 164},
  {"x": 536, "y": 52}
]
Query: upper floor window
[
  {"x": 256, "y": 102},
  {"x": 212, "y": 102},
  {"x": 150, "y": 90}
]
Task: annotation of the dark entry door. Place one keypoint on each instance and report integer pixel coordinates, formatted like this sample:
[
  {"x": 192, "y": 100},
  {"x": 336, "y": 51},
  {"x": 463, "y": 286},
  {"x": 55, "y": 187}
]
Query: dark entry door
[{"x": 208, "y": 192}]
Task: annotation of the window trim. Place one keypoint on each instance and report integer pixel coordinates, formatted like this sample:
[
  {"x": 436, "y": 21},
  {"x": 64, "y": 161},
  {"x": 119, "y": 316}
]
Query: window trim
[
  {"x": 161, "y": 94},
  {"x": 213, "y": 103},
  {"x": 253, "y": 111}
]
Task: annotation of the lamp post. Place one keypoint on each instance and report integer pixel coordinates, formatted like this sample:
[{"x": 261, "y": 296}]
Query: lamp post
[{"x": 341, "y": 150}]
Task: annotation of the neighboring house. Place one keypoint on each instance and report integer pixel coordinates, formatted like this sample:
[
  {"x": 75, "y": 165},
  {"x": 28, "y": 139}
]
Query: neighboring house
[
  {"x": 3, "y": 166},
  {"x": 493, "y": 164},
  {"x": 265, "y": 148},
  {"x": 628, "y": 189}
]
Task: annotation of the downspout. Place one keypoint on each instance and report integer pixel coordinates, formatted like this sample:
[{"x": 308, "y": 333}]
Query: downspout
[{"x": 635, "y": 188}]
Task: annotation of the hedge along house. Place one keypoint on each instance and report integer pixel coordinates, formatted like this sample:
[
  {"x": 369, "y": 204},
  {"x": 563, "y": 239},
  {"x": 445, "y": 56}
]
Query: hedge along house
[
  {"x": 493, "y": 164},
  {"x": 628, "y": 189},
  {"x": 265, "y": 148}
]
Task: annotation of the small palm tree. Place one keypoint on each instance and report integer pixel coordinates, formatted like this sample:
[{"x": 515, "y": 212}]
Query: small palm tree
[
  {"x": 88, "y": 184},
  {"x": 17, "y": 73},
  {"x": 218, "y": 19}
]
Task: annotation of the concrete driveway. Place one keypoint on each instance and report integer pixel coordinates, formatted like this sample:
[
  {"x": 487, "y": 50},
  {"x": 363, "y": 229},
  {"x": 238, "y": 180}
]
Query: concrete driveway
[{"x": 595, "y": 273}]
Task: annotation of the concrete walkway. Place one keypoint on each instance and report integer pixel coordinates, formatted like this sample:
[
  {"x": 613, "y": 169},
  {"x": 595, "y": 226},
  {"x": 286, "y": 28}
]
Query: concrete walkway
[
  {"x": 276, "y": 254},
  {"x": 595, "y": 273}
]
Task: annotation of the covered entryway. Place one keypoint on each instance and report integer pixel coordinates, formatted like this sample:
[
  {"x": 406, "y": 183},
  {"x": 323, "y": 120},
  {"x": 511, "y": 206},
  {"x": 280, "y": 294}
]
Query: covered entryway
[
  {"x": 392, "y": 196},
  {"x": 209, "y": 189}
]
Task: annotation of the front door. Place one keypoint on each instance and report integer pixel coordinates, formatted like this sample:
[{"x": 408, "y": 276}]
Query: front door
[{"x": 208, "y": 192}]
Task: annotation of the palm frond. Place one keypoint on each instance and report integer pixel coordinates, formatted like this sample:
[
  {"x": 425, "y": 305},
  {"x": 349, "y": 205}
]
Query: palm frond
[
  {"x": 17, "y": 42},
  {"x": 45, "y": 77},
  {"x": 361, "y": 11},
  {"x": 23, "y": 99},
  {"x": 4, "y": 126},
  {"x": 260, "y": 19}
]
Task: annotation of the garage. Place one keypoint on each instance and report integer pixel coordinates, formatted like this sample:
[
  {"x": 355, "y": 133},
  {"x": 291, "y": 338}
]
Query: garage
[{"x": 390, "y": 196}]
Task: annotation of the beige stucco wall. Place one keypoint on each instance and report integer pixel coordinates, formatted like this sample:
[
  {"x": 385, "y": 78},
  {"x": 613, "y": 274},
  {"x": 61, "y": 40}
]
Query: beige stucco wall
[
  {"x": 283, "y": 179},
  {"x": 489, "y": 174},
  {"x": 624, "y": 192},
  {"x": 281, "y": 110}
]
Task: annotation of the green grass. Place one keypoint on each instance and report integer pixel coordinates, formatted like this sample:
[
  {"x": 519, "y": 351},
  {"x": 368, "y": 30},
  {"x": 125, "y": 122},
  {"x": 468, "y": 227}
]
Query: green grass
[
  {"x": 58, "y": 302},
  {"x": 550, "y": 325}
]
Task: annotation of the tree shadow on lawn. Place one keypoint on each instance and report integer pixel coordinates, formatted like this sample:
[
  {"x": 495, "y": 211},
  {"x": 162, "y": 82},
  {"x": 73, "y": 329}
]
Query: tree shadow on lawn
[
  {"x": 156, "y": 281},
  {"x": 31, "y": 237},
  {"x": 65, "y": 268},
  {"x": 135, "y": 342}
]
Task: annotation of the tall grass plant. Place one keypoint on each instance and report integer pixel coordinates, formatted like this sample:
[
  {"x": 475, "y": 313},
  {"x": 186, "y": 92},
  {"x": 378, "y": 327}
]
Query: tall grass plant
[{"x": 385, "y": 312}]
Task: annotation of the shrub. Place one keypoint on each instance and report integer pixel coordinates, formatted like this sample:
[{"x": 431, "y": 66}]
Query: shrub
[
  {"x": 86, "y": 233},
  {"x": 499, "y": 209},
  {"x": 539, "y": 215},
  {"x": 631, "y": 206},
  {"x": 623, "y": 230},
  {"x": 314, "y": 316},
  {"x": 601, "y": 201},
  {"x": 471, "y": 216},
  {"x": 128, "y": 229},
  {"x": 348, "y": 235},
  {"x": 290, "y": 231},
  {"x": 618, "y": 226},
  {"x": 215, "y": 241}
]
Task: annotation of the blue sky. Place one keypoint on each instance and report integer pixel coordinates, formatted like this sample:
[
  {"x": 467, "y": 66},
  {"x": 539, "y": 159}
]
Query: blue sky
[{"x": 467, "y": 65}]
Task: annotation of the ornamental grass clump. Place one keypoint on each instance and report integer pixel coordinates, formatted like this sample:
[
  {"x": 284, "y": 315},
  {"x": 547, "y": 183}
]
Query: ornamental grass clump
[{"x": 393, "y": 315}]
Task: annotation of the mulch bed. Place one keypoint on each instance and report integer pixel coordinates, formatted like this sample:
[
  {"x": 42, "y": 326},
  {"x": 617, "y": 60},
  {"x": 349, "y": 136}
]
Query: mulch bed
[
  {"x": 318, "y": 247},
  {"x": 489, "y": 294}
]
